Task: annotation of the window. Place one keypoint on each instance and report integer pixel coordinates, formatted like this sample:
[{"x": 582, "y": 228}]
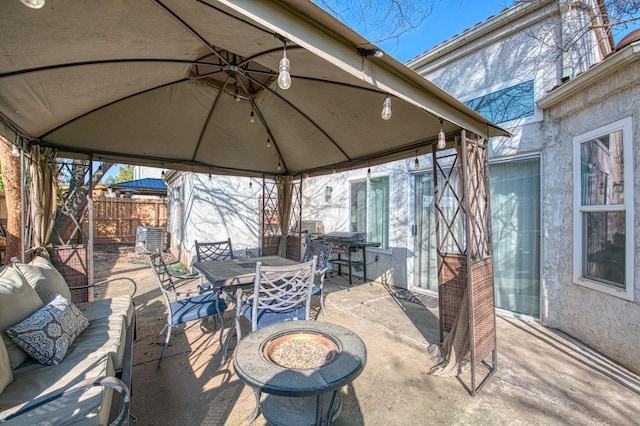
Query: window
[
  {"x": 506, "y": 104},
  {"x": 603, "y": 224},
  {"x": 369, "y": 209}
]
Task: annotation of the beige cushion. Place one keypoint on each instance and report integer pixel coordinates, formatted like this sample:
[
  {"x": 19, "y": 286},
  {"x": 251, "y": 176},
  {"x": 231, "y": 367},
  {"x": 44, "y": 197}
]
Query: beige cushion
[
  {"x": 87, "y": 407},
  {"x": 18, "y": 300},
  {"x": 45, "y": 279},
  {"x": 6, "y": 376},
  {"x": 99, "y": 309},
  {"x": 106, "y": 335}
]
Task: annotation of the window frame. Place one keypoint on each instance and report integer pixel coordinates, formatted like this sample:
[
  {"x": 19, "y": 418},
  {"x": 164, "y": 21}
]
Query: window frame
[
  {"x": 537, "y": 112},
  {"x": 627, "y": 293},
  {"x": 367, "y": 180}
]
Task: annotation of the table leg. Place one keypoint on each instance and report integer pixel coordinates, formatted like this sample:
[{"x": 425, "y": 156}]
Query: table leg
[
  {"x": 319, "y": 410},
  {"x": 256, "y": 411},
  {"x": 349, "y": 256},
  {"x": 364, "y": 264},
  {"x": 331, "y": 403}
]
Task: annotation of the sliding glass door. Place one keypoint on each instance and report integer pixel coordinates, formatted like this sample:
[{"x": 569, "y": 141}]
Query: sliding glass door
[{"x": 515, "y": 222}]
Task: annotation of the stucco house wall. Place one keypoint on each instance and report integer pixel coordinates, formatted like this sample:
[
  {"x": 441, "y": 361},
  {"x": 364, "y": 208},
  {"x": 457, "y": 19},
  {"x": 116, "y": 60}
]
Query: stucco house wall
[
  {"x": 391, "y": 266},
  {"x": 212, "y": 210},
  {"x": 607, "y": 323}
]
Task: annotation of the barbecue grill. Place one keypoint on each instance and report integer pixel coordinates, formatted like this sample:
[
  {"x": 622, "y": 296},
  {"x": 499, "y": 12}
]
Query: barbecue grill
[{"x": 346, "y": 243}]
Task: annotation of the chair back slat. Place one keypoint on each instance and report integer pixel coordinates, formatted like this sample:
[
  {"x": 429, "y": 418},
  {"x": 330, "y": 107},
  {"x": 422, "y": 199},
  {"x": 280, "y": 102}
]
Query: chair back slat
[
  {"x": 320, "y": 249},
  {"x": 212, "y": 251}
]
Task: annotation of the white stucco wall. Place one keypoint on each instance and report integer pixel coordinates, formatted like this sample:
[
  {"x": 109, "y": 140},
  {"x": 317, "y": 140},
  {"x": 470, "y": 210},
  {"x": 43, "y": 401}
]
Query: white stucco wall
[
  {"x": 608, "y": 324},
  {"x": 391, "y": 266},
  {"x": 217, "y": 209}
]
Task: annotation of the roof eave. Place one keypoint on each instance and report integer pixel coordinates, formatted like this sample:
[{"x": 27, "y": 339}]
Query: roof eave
[{"x": 596, "y": 73}]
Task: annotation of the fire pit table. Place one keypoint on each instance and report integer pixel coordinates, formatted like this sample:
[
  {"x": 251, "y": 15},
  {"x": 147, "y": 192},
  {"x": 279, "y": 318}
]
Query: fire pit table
[{"x": 301, "y": 365}]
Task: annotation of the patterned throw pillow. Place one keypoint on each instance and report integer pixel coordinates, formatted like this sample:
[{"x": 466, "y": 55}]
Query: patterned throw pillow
[{"x": 47, "y": 334}]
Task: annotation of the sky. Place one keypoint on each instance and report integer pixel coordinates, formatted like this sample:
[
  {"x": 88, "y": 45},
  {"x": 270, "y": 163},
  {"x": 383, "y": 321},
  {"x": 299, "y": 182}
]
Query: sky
[{"x": 447, "y": 19}]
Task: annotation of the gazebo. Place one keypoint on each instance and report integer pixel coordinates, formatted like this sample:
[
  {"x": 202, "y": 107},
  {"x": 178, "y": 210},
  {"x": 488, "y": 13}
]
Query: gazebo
[{"x": 279, "y": 90}]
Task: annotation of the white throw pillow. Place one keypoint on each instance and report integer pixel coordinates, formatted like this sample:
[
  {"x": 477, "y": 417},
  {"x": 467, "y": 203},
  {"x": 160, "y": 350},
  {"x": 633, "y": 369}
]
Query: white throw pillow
[
  {"x": 44, "y": 278},
  {"x": 18, "y": 300},
  {"x": 48, "y": 333}
]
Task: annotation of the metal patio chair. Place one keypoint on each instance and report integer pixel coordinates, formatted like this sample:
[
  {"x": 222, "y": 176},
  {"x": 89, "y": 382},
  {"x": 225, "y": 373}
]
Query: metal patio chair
[
  {"x": 323, "y": 252},
  {"x": 280, "y": 293},
  {"x": 183, "y": 307},
  {"x": 211, "y": 252}
]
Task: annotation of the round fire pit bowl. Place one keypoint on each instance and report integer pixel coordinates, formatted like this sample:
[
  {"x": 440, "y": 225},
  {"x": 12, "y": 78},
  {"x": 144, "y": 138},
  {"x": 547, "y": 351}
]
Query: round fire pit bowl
[
  {"x": 301, "y": 349},
  {"x": 301, "y": 358}
]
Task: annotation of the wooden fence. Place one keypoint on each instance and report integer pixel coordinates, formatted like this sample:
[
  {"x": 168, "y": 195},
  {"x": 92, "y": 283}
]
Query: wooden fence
[{"x": 117, "y": 219}]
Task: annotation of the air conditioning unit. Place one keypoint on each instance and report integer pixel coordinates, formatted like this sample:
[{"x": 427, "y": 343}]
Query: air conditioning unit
[{"x": 149, "y": 239}]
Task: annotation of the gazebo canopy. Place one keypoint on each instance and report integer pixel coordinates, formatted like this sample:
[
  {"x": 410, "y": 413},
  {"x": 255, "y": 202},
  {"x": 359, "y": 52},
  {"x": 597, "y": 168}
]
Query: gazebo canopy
[{"x": 173, "y": 83}]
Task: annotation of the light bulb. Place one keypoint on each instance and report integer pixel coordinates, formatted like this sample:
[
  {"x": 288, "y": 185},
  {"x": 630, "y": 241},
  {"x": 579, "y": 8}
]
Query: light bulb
[
  {"x": 279, "y": 167},
  {"x": 369, "y": 172},
  {"x": 15, "y": 152},
  {"x": 386, "y": 108},
  {"x": 284, "y": 78},
  {"x": 442, "y": 140},
  {"x": 250, "y": 185},
  {"x": 268, "y": 142},
  {"x": 33, "y": 4},
  {"x": 416, "y": 163},
  {"x": 252, "y": 118},
  {"x": 209, "y": 176}
]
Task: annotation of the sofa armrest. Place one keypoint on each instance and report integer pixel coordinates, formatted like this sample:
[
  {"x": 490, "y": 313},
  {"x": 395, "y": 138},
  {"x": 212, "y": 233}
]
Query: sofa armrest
[
  {"x": 106, "y": 381},
  {"x": 128, "y": 280}
]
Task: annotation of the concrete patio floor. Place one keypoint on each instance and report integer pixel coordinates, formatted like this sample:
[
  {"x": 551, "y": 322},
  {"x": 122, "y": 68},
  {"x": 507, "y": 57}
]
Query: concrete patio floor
[{"x": 543, "y": 377}]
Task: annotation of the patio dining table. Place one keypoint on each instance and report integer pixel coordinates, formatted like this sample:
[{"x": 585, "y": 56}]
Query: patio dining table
[{"x": 231, "y": 275}]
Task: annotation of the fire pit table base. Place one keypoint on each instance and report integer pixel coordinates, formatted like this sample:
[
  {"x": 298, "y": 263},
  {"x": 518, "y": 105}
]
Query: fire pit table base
[
  {"x": 299, "y": 396},
  {"x": 286, "y": 411}
]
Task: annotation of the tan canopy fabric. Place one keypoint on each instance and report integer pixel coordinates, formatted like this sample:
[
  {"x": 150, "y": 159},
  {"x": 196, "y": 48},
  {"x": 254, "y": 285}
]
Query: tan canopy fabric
[
  {"x": 173, "y": 83},
  {"x": 285, "y": 196},
  {"x": 42, "y": 195}
]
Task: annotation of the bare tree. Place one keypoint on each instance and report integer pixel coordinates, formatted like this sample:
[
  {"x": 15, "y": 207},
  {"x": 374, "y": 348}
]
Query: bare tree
[
  {"x": 75, "y": 200},
  {"x": 11, "y": 182},
  {"x": 380, "y": 20}
]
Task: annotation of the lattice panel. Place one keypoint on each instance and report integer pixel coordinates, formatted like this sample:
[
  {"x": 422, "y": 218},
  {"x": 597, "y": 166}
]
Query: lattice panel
[
  {"x": 466, "y": 297},
  {"x": 76, "y": 176},
  {"x": 475, "y": 154}
]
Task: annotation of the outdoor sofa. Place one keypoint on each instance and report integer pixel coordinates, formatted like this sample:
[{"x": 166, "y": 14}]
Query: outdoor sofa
[{"x": 50, "y": 385}]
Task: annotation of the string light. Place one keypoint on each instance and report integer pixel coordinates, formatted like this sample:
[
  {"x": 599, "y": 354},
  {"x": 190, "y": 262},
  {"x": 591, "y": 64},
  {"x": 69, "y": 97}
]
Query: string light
[
  {"x": 442, "y": 138},
  {"x": 279, "y": 166},
  {"x": 252, "y": 118},
  {"x": 15, "y": 151},
  {"x": 369, "y": 172},
  {"x": 284, "y": 77},
  {"x": 386, "y": 108},
  {"x": 268, "y": 142},
  {"x": 33, "y": 4},
  {"x": 416, "y": 163}
]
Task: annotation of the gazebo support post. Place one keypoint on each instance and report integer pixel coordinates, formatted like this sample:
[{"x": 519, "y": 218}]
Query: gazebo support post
[{"x": 465, "y": 256}]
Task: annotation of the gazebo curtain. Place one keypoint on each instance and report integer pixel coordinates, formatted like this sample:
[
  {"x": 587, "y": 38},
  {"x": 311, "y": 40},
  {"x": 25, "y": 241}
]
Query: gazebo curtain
[
  {"x": 285, "y": 194},
  {"x": 43, "y": 195}
]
